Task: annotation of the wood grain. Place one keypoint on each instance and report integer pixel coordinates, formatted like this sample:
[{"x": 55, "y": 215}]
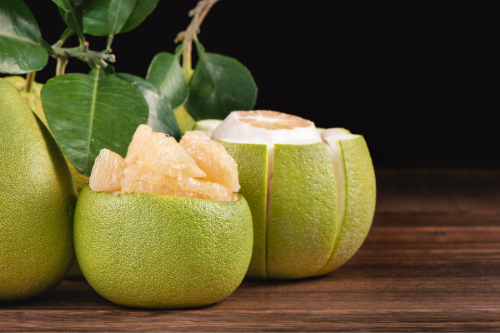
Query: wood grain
[{"x": 430, "y": 263}]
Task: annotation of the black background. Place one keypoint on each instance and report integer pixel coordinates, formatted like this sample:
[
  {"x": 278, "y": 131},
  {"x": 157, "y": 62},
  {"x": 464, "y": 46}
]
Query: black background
[{"x": 419, "y": 81}]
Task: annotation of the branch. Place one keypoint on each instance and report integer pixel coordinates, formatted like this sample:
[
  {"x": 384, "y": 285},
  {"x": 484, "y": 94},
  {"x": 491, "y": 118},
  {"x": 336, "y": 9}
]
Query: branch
[{"x": 186, "y": 37}]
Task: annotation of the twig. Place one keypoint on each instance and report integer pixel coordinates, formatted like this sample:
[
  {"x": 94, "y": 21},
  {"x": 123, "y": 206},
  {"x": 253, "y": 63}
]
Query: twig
[{"x": 198, "y": 14}]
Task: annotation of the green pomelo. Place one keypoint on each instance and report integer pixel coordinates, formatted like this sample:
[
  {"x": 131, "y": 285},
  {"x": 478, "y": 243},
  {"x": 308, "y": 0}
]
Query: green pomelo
[
  {"x": 321, "y": 206},
  {"x": 38, "y": 197},
  {"x": 155, "y": 251},
  {"x": 35, "y": 103}
]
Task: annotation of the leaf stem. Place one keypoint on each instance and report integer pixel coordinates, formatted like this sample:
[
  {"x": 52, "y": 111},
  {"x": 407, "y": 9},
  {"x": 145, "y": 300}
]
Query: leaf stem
[
  {"x": 29, "y": 81},
  {"x": 186, "y": 37},
  {"x": 65, "y": 35},
  {"x": 108, "y": 44}
]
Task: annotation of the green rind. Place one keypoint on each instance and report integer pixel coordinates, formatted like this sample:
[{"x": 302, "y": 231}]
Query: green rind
[
  {"x": 154, "y": 251},
  {"x": 303, "y": 215},
  {"x": 37, "y": 197},
  {"x": 360, "y": 202},
  {"x": 252, "y": 175}
]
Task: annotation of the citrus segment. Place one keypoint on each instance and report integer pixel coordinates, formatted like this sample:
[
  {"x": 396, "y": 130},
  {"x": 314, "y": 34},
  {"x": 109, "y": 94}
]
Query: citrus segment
[
  {"x": 166, "y": 156},
  {"x": 252, "y": 173},
  {"x": 206, "y": 188},
  {"x": 107, "y": 171},
  {"x": 212, "y": 158},
  {"x": 303, "y": 212},
  {"x": 141, "y": 135}
]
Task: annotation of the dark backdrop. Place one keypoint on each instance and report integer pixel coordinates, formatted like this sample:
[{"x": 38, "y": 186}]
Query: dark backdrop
[{"x": 419, "y": 81}]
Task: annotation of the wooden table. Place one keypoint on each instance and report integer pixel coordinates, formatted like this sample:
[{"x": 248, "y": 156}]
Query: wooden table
[{"x": 430, "y": 263}]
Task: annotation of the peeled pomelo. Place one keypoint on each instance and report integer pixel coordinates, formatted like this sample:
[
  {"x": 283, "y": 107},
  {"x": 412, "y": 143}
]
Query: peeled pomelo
[
  {"x": 37, "y": 199},
  {"x": 312, "y": 196},
  {"x": 160, "y": 251},
  {"x": 162, "y": 227}
]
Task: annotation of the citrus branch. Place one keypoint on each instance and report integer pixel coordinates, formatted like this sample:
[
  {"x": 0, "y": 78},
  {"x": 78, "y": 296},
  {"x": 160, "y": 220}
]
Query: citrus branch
[
  {"x": 186, "y": 37},
  {"x": 83, "y": 53}
]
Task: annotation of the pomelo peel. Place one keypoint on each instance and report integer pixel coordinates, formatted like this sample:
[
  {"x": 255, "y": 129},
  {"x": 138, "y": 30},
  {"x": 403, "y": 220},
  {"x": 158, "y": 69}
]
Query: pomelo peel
[{"x": 157, "y": 251}]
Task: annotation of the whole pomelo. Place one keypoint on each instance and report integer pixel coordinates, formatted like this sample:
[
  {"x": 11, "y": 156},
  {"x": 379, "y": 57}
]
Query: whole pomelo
[
  {"x": 37, "y": 197},
  {"x": 35, "y": 103},
  {"x": 312, "y": 198},
  {"x": 157, "y": 251}
]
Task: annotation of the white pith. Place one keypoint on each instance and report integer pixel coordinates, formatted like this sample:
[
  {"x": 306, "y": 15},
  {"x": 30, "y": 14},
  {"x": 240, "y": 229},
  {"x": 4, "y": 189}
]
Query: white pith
[
  {"x": 332, "y": 138},
  {"x": 207, "y": 126}
]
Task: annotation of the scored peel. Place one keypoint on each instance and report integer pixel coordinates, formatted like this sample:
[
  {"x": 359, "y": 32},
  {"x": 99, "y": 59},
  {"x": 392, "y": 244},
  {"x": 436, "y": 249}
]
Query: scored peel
[{"x": 297, "y": 232}]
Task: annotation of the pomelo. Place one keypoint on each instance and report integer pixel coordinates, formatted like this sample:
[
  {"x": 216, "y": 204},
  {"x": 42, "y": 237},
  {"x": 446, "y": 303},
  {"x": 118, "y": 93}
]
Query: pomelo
[
  {"x": 162, "y": 227},
  {"x": 38, "y": 197},
  {"x": 158, "y": 251},
  {"x": 312, "y": 196},
  {"x": 35, "y": 103}
]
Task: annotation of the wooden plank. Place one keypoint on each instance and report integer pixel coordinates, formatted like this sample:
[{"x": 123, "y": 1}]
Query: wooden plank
[{"x": 427, "y": 265}]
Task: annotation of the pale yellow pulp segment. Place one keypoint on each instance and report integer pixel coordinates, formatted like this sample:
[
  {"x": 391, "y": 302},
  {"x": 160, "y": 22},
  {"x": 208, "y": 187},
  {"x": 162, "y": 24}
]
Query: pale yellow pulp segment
[{"x": 158, "y": 164}]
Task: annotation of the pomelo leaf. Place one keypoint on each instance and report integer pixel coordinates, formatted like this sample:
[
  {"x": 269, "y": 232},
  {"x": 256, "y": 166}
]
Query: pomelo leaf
[
  {"x": 100, "y": 13},
  {"x": 95, "y": 18},
  {"x": 74, "y": 20},
  {"x": 141, "y": 10},
  {"x": 21, "y": 48},
  {"x": 161, "y": 117},
  {"x": 165, "y": 73},
  {"x": 89, "y": 112},
  {"x": 219, "y": 85},
  {"x": 68, "y": 5},
  {"x": 118, "y": 13}
]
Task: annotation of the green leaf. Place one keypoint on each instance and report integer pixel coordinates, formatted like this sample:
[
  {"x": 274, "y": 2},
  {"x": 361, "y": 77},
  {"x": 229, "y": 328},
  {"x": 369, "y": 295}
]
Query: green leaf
[
  {"x": 68, "y": 5},
  {"x": 89, "y": 112},
  {"x": 74, "y": 20},
  {"x": 165, "y": 73},
  {"x": 95, "y": 18},
  {"x": 21, "y": 49},
  {"x": 219, "y": 85},
  {"x": 161, "y": 116},
  {"x": 118, "y": 13},
  {"x": 142, "y": 10}
]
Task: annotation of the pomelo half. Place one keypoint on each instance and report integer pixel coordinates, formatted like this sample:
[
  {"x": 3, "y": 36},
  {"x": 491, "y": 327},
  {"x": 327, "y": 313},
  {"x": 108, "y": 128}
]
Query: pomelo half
[
  {"x": 316, "y": 207},
  {"x": 158, "y": 251}
]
